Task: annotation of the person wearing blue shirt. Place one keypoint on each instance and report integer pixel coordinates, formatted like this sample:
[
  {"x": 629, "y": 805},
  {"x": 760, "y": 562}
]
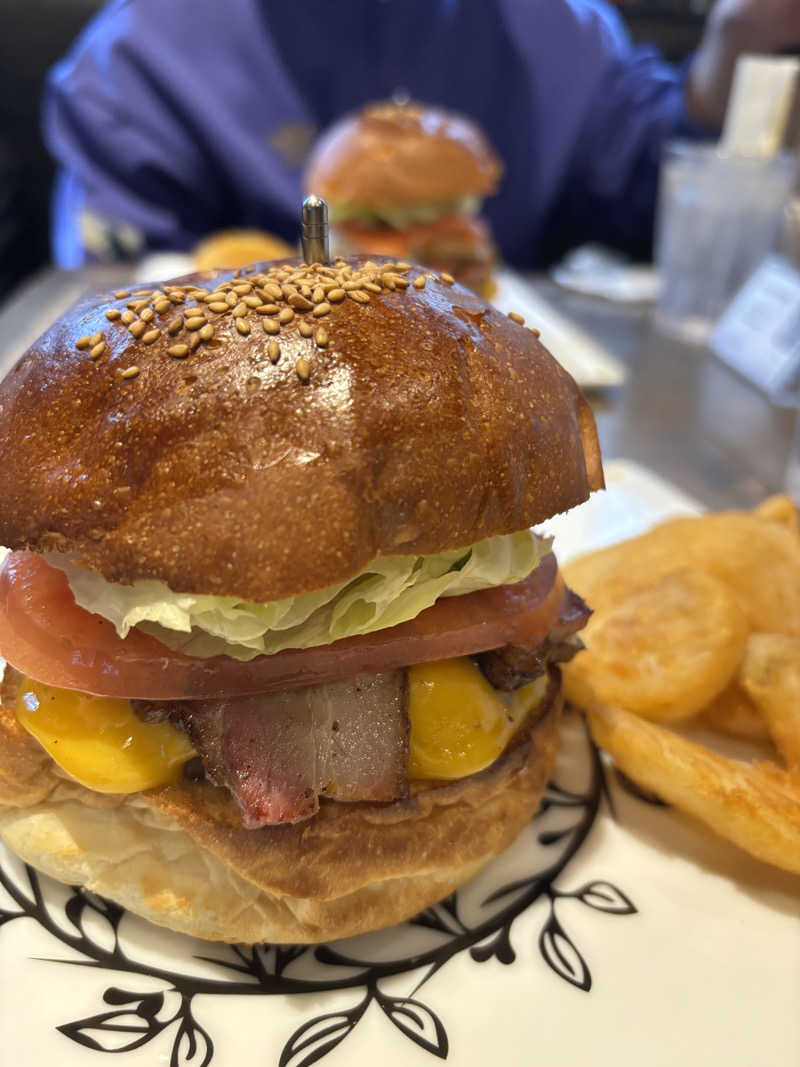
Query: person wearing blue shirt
[{"x": 173, "y": 119}]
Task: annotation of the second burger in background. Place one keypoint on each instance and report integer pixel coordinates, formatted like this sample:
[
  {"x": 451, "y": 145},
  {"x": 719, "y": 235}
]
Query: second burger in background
[{"x": 409, "y": 181}]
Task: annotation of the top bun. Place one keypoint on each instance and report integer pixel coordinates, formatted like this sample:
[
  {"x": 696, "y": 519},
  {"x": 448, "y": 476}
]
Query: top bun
[
  {"x": 238, "y": 456},
  {"x": 392, "y": 155}
]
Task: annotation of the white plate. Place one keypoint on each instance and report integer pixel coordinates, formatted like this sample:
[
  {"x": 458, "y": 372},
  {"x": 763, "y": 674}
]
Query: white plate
[
  {"x": 629, "y": 938},
  {"x": 591, "y": 365}
]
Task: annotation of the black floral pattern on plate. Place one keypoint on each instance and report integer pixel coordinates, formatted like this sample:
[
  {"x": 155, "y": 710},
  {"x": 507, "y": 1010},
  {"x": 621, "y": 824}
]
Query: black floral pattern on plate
[{"x": 91, "y": 929}]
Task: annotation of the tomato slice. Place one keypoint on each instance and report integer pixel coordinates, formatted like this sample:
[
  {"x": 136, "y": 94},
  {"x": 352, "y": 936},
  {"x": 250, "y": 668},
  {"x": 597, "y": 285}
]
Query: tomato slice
[{"x": 47, "y": 636}]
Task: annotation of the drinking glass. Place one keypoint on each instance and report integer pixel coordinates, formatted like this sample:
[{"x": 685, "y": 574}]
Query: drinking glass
[{"x": 718, "y": 216}]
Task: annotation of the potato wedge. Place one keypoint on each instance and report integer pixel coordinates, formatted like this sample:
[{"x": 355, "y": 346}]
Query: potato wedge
[
  {"x": 757, "y": 558},
  {"x": 665, "y": 651},
  {"x": 770, "y": 675},
  {"x": 757, "y": 808},
  {"x": 781, "y": 509},
  {"x": 734, "y": 713}
]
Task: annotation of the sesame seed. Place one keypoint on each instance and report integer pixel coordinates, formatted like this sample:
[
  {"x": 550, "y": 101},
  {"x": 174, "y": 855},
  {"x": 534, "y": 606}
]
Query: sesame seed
[
  {"x": 209, "y": 297},
  {"x": 536, "y": 332},
  {"x": 359, "y": 296},
  {"x": 147, "y": 315},
  {"x": 113, "y": 314},
  {"x": 96, "y": 338},
  {"x": 122, "y": 293},
  {"x": 270, "y": 326},
  {"x": 321, "y": 337},
  {"x": 273, "y": 290},
  {"x": 243, "y": 326},
  {"x": 372, "y": 287},
  {"x": 176, "y": 297},
  {"x": 402, "y": 266},
  {"x": 162, "y": 306},
  {"x": 218, "y": 306},
  {"x": 194, "y": 341},
  {"x": 137, "y": 305},
  {"x": 245, "y": 287},
  {"x": 306, "y": 329},
  {"x": 350, "y": 286},
  {"x": 98, "y": 350},
  {"x": 448, "y": 279},
  {"x": 128, "y": 317},
  {"x": 322, "y": 309},
  {"x": 335, "y": 296},
  {"x": 419, "y": 283},
  {"x": 137, "y": 328},
  {"x": 194, "y": 323},
  {"x": 83, "y": 342},
  {"x": 130, "y": 372},
  {"x": 252, "y": 301},
  {"x": 150, "y": 336},
  {"x": 303, "y": 369},
  {"x": 143, "y": 292},
  {"x": 175, "y": 326},
  {"x": 300, "y": 302},
  {"x": 285, "y": 315},
  {"x": 516, "y": 317},
  {"x": 274, "y": 351},
  {"x": 207, "y": 332},
  {"x": 318, "y": 295},
  {"x": 231, "y": 300},
  {"x": 239, "y": 310},
  {"x": 179, "y": 351},
  {"x": 401, "y": 283}
]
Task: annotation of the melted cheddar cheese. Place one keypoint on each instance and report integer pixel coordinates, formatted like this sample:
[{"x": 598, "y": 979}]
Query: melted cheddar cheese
[
  {"x": 459, "y": 723},
  {"x": 459, "y": 726},
  {"x": 100, "y": 741}
]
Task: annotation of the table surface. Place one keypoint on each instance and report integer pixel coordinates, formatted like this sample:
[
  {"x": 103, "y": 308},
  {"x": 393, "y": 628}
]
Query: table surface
[{"x": 682, "y": 413}]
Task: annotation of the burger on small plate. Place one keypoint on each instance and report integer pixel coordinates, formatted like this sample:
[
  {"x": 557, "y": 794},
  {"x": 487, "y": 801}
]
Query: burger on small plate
[
  {"x": 282, "y": 648},
  {"x": 409, "y": 181}
]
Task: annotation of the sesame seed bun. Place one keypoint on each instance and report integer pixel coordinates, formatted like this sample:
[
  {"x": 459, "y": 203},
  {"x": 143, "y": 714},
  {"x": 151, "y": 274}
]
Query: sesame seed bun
[
  {"x": 395, "y": 155},
  {"x": 179, "y": 857},
  {"x": 229, "y": 435}
]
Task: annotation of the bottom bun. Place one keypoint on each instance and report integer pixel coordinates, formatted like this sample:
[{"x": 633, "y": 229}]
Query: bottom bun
[{"x": 179, "y": 857}]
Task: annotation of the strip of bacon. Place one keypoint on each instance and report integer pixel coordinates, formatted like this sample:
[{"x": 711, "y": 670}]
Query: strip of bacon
[{"x": 279, "y": 752}]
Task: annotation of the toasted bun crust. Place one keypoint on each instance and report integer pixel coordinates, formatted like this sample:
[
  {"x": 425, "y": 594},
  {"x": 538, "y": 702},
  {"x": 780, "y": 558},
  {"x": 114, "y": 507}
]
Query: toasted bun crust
[
  {"x": 394, "y": 155},
  {"x": 428, "y": 421},
  {"x": 227, "y": 249},
  {"x": 179, "y": 857}
]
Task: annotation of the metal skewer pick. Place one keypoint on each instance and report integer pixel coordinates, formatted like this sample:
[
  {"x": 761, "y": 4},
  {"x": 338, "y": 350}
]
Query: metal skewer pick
[{"x": 316, "y": 248}]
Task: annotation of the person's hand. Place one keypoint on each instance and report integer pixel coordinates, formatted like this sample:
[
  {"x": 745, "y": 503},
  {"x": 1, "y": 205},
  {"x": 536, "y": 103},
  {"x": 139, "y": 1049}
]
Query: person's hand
[{"x": 733, "y": 28}]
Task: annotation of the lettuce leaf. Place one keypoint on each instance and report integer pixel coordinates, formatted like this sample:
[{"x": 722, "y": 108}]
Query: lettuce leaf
[{"x": 390, "y": 590}]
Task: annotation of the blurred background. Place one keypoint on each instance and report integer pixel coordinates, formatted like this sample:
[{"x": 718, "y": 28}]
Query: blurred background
[
  {"x": 35, "y": 34},
  {"x": 635, "y": 195}
]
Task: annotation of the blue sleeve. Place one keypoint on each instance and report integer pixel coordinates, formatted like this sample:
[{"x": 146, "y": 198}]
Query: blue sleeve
[
  {"x": 151, "y": 154},
  {"x": 634, "y": 105}
]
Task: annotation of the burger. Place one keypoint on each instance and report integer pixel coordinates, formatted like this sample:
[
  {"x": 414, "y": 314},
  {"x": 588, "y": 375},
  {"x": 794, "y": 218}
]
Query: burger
[
  {"x": 408, "y": 181},
  {"x": 282, "y": 650}
]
